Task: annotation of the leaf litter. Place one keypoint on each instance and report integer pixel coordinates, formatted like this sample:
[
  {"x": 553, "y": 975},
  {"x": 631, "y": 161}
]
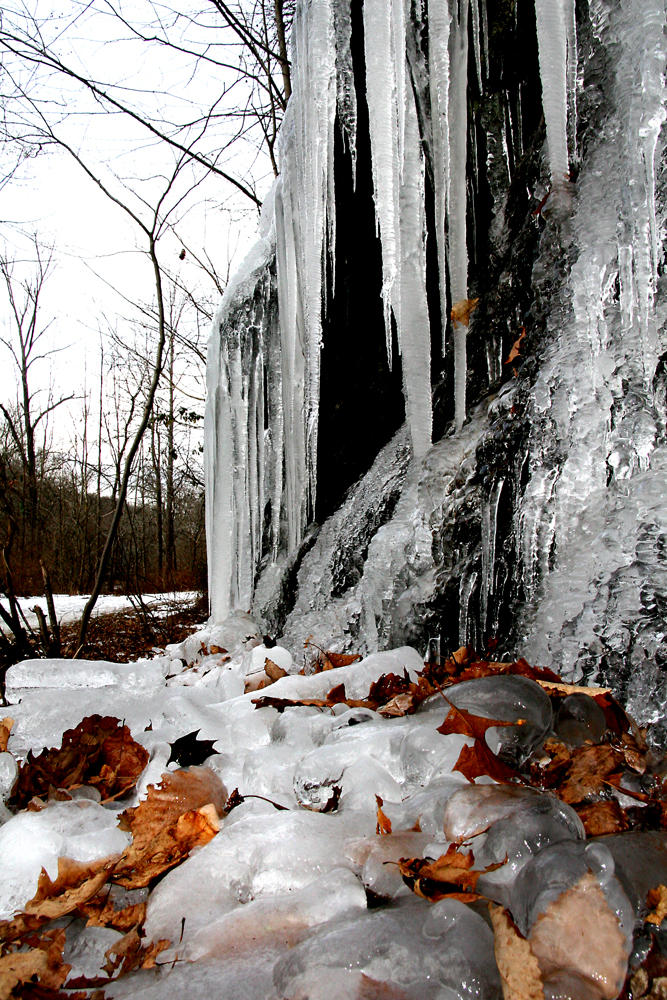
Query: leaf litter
[{"x": 183, "y": 811}]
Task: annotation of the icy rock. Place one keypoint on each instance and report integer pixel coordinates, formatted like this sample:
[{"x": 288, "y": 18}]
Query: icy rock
[
  {"x": 425, "y": 807},
  {"x": 145, "y": 677},
  {"x": 29, "y": 841},
  {"x": 8, "y": 773},
  {"x": 269, "y": 771},
  {"x": 472, "y": 809},
  {"x": 282, "y": 918},
  {"x": 371, "y": 856},
  {"x": 554, "y": 870},
  {"x": 579, "y": 718},
  {"x": 508, "y": 699},
  {"x": 426, "y": 754},
  {"x": 261, "y": 854},
  {"x": 362, "y": 781},
  {"x": 391, "y": 946},
  {"x": 255, "y": 660},
  {"x": 640, "y": 858}
]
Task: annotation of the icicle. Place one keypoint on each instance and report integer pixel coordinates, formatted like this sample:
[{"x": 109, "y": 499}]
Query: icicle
[
  {"x": 381, "y": 93},
  {"x": 555, "y": 19},
  {"x": 489, "y": 530},
  {"x": 438, "y": 24},
  {"x": 474, "y": 9},
  {"x": 413, "y": 320},
  {"x": 457, "y": 200},
  {"x": 466, "y": 588},
  {"x": 346, "y": 100}
]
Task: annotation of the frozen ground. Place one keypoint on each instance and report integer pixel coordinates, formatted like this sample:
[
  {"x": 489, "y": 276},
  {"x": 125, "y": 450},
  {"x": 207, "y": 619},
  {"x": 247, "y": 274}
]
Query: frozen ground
[
  {"x": 306, "y": 900},
  {"x": 69, "y": 607}
]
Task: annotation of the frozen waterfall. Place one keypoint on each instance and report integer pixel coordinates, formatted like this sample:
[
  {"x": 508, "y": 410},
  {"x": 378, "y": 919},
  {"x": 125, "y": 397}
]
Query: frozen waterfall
[{"x": 540, "y": 199}]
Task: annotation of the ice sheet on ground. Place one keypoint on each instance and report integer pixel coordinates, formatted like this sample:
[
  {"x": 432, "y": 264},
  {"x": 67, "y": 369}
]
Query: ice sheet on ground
[{"x": 69, "y": 607}]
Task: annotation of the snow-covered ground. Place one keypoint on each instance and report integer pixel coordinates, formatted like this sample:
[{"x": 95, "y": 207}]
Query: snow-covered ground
[
  {"x": 282, "y": 903},
  {"x": 69, "y": 607}
]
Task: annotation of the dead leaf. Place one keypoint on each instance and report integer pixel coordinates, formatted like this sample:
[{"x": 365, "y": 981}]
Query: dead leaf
[
  {"x": 129, "y": 953},
  {"x": 100, "y": 911},
  {"x": 519, "y": 970},
  {"x": 5, "y": 729},
  {"x": 577, "y": 774},
  {"x": 342, "y": 659},
  {"x": 600, "y": 818},
  {"x": 478, "y": 760},
  {"x": 462, "y": 311},
  {"x": 400, "y": 705},
  {"x": 515, "y": 350},
  {"x": 383, "y": 822},
  {"x": 273, "y": 671},
  {"x": 451, "y": 876},
  {"x": 75, "y": 883},
  {"x": 99, "y": 752},
  {"x": 579, "y": 934},
  {"x": 173, "y": 819},
  {"x": 657, "y": 904},
  {"x": 187, "y": 750},
  {"x": 42, "y": 964},
  {"x": 460, "y": 721}
]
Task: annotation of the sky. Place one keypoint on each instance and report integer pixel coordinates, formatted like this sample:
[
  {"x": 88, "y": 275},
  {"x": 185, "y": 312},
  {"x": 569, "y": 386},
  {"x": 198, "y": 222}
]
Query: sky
[{"x": 100, "y": 267}]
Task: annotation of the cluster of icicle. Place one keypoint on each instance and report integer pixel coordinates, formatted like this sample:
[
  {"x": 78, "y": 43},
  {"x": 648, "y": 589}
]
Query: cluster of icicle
[{"x": 280, "y": 464}]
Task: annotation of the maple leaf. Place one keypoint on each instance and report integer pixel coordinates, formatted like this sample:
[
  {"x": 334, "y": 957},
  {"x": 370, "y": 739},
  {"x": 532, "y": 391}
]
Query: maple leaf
[
  {"x": 462, "y": 310},
  {"x": 75, "y": 883},
  {"x": 99, "y": 752},
  {"x": 188, "y": 750},
  {"x": 460, "y": 721},
  {"x": 178, "y": 814},
  {"x": 519, "y": 969},
  {"x": 5, "y": 729},
  {"x": 478, "y": 760},
  {"x": 657, "y": 904},
  {"x": 383, "y": 822}
]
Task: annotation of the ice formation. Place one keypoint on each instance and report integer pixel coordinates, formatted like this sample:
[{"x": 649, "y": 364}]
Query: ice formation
[
  {"x": 540, "y": 516},
  {"x": 286, "y": 900}
]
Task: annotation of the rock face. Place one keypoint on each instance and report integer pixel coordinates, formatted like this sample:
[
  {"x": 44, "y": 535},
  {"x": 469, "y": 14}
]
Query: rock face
[{"x": 510, "y": 153}]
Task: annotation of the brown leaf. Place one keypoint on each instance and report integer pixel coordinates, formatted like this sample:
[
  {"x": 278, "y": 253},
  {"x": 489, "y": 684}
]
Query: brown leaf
[
  {"x": 342, "y": 659},
  {"x": 75, "y": 883},
  {"x": 388, "y": 686},
  {"x": 129, "y": 953},
  {"x": 5, "y": 729},
  {"x": 462, "y": 310},
  {"x": 451, "y": 876},
  {"x": 515, "y": 350},
  {"x": 478, "y": 760},
  {"x": 580, "y": 773},
  {"x": 400, "y": 705},
  {"x": 579, "y": 934},
  {"x": 44, "y": 962},
  {"x": 178, "y": 814},
  {"x": 519, "y": 970},
  {"x": 273, "y": 671},
  {"x": 383, "y": 822},
  {"x": 100, "y": 911},
  {"x": 657, "y": 904},
  {"x": 600, "y": 818},
  {"x": 99, "y": 752},
  {"x": 615, "y": 717},
  {"x": 460, "y": 721}
]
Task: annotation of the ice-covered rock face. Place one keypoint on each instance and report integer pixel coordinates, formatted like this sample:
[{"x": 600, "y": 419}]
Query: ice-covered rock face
[{"x": 539, "y": 519}]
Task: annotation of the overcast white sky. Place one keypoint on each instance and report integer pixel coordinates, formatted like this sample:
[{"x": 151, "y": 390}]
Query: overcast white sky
[{"x": 96, "y": 247}]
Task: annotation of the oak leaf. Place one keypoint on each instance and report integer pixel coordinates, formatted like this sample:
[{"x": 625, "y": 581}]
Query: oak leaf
[
  {"x": 177, "y": 815},
  {"x": 187, "y": 750},
  {"x": 42, "y": 964},
  {"x": 462, "y": 310},
  {"x": 519, "y": 970}
]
